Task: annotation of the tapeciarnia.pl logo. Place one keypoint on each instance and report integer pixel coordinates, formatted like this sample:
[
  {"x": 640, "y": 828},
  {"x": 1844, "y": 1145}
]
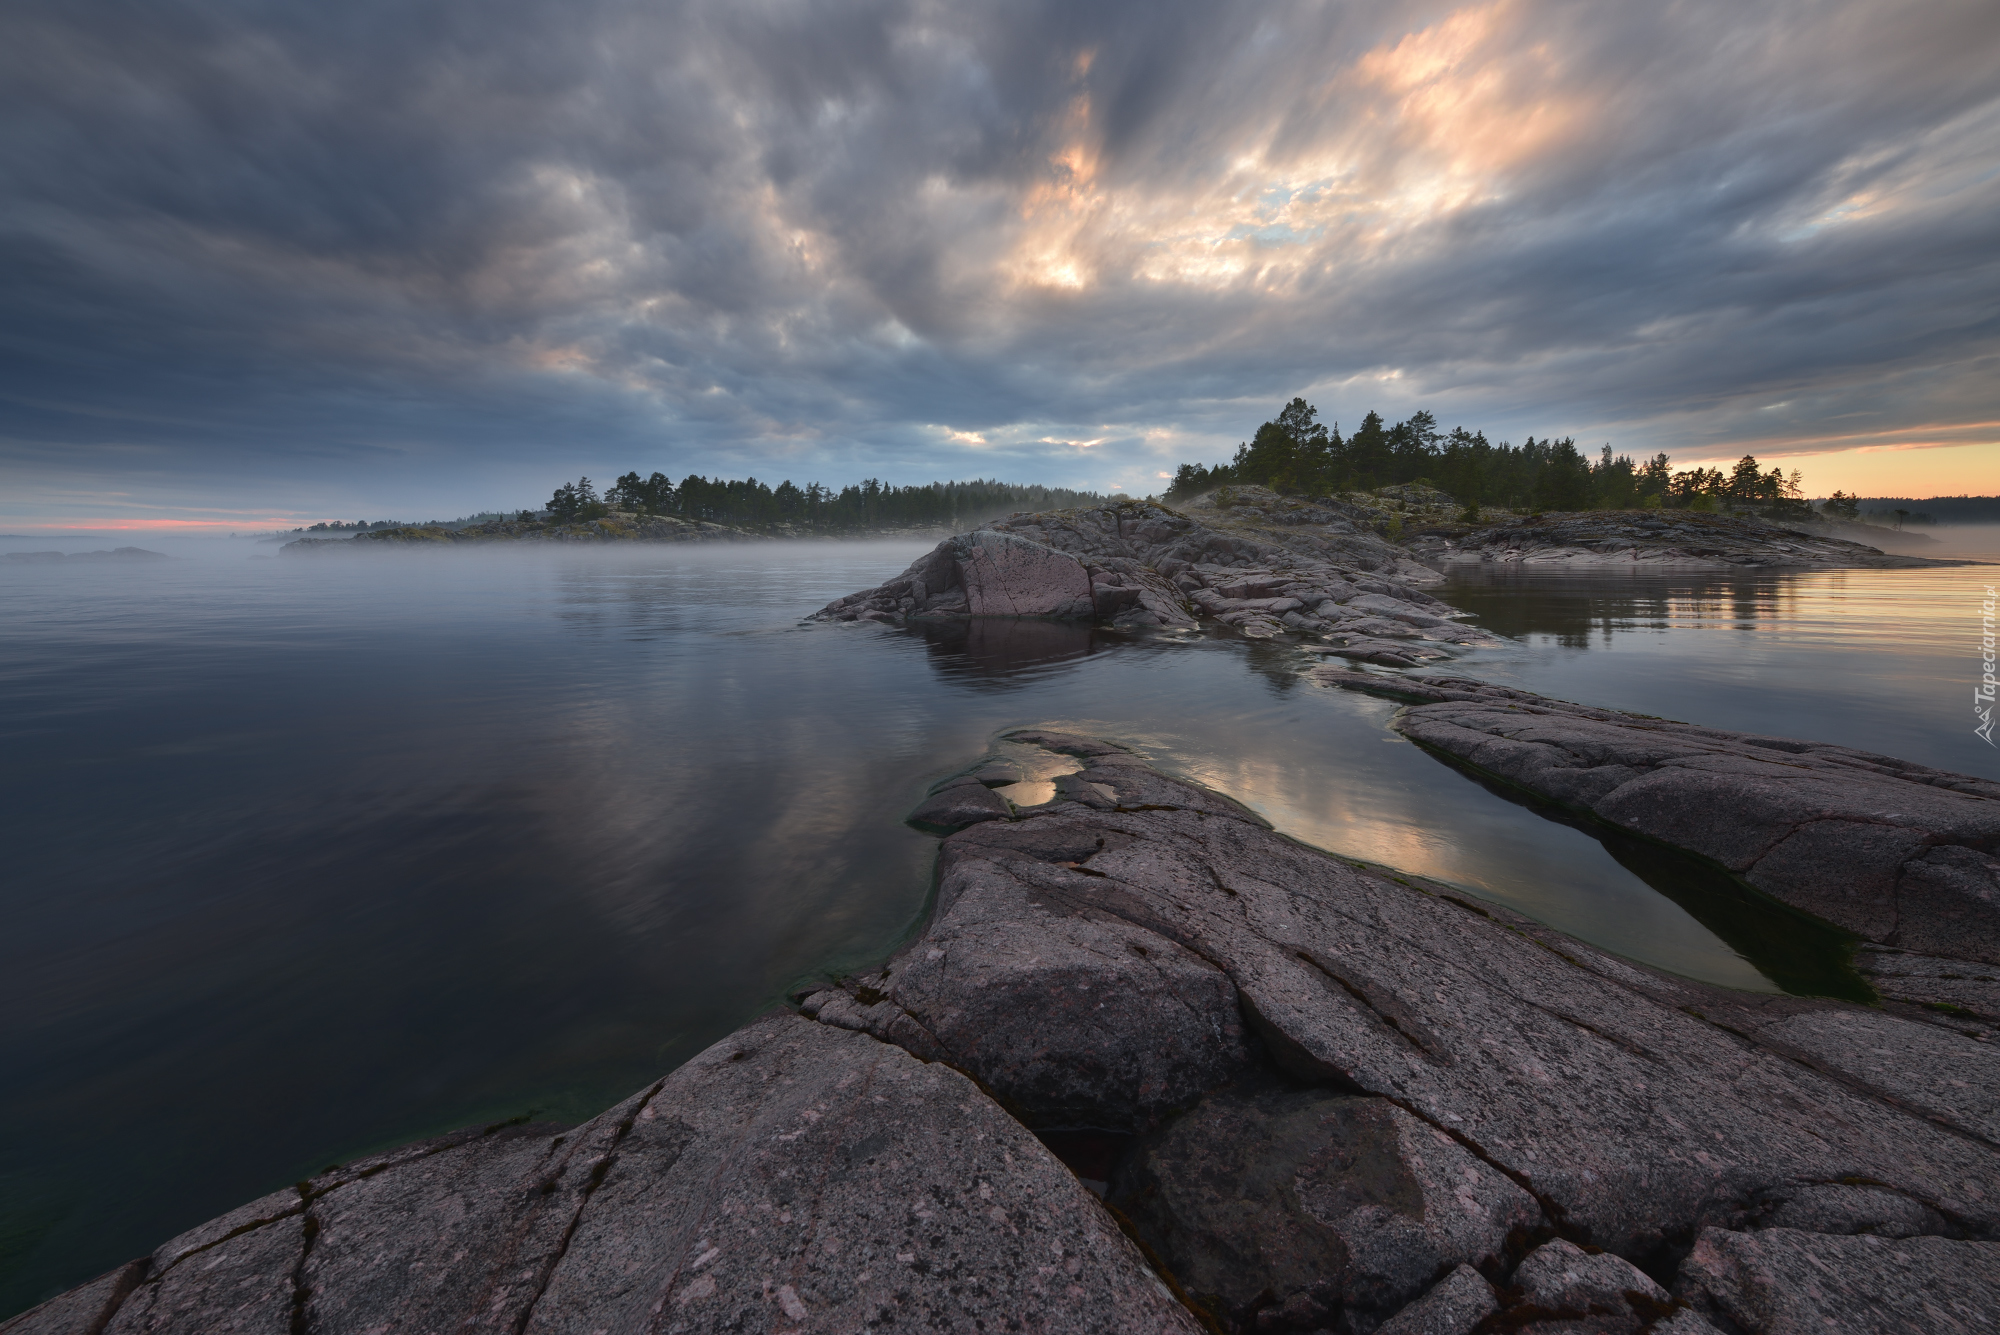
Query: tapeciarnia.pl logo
[{"x": 1982, "y": 694}]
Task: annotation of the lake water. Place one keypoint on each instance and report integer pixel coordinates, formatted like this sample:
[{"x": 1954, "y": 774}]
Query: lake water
[{"x": 308, "y": 857}]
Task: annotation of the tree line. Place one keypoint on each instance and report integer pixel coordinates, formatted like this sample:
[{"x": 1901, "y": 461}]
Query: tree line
[
  {"x": 1295, "y": 453},
  {"x": 748, "y": 503},
  {"x": 1937, "y": 509}
]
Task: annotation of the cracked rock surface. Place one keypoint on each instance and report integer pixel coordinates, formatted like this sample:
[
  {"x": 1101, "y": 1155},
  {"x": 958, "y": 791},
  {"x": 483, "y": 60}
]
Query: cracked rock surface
[
  {"x": 1785, "y": 1281},
  {"x": 1305, "y": 572},
  {"x": 1455, "y": 1305},
  {"x": 1900, "y": 854},
  {"x": 1400, "y": 1080}
]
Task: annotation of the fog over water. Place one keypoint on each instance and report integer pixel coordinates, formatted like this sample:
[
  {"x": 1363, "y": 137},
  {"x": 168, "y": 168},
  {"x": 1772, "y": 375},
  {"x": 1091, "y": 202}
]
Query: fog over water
[{"x": 309, "y": 856}]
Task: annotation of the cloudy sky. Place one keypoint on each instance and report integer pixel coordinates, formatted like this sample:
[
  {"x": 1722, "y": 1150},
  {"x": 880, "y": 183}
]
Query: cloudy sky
[{"x": 266, "y": 263}]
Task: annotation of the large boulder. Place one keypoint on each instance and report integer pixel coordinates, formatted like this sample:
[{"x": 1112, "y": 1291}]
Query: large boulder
[
  {"x": 1006, "y": 576},
  {"x": 1898, "y": 853},
  {"x": 1314, "y": 1205}
]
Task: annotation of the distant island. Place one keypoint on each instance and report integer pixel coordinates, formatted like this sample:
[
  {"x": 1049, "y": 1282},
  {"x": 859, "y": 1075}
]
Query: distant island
[
  {"x": 654, "y": 509},
  {"x": 1481, "y": 484},
  {"x": 51, "y": 558}
]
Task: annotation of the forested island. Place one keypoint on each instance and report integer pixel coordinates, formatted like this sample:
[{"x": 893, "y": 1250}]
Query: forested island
[
  {"x": 750, "y": 507},
  {"x": 1465, "y": 481},
  {"x": 1295, "y": 453}
]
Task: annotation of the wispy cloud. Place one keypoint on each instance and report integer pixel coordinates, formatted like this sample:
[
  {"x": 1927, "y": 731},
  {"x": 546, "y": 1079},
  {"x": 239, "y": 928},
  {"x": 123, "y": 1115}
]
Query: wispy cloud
[{"x": 383, "y": 256}]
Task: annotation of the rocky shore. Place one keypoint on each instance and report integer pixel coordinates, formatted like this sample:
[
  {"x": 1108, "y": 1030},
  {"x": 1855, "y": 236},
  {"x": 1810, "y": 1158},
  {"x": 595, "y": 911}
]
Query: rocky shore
[
  {"x": 1639, "y": 539},
  {"x": 1435, "y": 529},
  {"x": 1348, "y": 578},
  {"x": 1899, "y": 854},
  {"x": 1150, "y": 1066},
  {"x": 1402, "y": 533},
  {"x": 1138, "y": 565}
]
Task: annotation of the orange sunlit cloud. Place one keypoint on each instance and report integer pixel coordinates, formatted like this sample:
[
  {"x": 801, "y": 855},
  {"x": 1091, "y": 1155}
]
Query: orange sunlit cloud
[
  {"x": 1423, "y": 126},
  {"x": 1519, "y": 215}
]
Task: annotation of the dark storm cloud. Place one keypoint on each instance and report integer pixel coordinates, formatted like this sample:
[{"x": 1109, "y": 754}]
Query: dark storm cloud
[{"x": 430, "y": 242}]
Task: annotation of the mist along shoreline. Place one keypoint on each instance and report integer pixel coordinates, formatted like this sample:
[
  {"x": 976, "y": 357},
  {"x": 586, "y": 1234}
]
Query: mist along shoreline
[
  {"x": 1423, "y": 521},
  {"x": 1150, "y": 1066}
]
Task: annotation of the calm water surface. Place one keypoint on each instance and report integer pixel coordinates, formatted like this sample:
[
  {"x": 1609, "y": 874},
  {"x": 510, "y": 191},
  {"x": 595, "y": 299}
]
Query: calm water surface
[{"x": 307, "y": 857}]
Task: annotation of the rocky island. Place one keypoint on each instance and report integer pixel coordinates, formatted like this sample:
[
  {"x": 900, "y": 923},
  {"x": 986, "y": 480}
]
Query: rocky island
[{"x": 1148, "y": 1065}]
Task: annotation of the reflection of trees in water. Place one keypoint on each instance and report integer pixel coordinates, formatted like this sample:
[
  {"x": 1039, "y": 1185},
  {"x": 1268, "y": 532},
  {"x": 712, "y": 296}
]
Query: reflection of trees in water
[{"x": 1570, "y": 609}]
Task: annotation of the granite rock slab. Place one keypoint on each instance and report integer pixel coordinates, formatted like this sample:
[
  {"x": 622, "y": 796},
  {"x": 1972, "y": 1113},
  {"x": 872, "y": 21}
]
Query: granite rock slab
[
  {"x": 793, "y": 1177},
  {"x": 1627, "y": 1108},
  {"x": 1455, "y": 1305},
  {"x": 1898, "y": 853},
  {"x": 1783, "y": 1281}
]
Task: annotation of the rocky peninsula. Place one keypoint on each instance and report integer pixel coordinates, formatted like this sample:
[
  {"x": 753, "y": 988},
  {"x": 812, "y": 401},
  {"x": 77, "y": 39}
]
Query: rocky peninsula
[
  {"x": 1148, "y": 1065},
  {"x": 1136, "y": 565},
  {"x": 1435, "y": 529}
]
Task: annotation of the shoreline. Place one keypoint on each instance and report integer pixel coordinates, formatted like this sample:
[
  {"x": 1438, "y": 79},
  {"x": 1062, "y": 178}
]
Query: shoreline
[
  {"x": 1001, "y": 1123},
  {"x": 1137, "y": 955}
]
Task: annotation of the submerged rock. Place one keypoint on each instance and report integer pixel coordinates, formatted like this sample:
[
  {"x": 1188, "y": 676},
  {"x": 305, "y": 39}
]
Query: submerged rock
[{"x": 1898, "y": 853}]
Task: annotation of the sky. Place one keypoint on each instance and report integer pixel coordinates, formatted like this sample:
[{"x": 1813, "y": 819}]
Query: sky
[{"x": 265, "y": 264}]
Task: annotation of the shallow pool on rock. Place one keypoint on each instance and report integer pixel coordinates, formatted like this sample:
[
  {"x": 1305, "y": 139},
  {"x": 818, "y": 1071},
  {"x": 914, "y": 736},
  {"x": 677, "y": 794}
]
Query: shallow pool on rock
[{"x": 310, "y": 856}]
